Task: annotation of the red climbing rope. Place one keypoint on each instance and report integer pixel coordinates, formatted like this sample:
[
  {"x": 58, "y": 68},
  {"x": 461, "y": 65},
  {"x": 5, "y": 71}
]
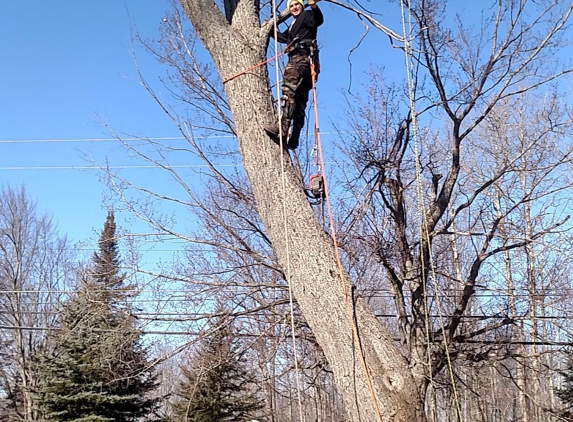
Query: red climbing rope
[
  {"x": 253, "y": 67},
  {"x": 349, "y": 306}
]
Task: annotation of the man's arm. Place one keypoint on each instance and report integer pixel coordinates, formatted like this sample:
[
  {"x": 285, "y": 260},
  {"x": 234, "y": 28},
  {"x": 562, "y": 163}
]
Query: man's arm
[
  {"x": 281, "y": 36},
  {"x": 317, "y": 13}
]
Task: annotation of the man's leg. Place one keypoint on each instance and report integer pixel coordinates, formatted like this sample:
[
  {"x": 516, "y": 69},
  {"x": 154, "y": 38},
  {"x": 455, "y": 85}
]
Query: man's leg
[
  {"x": 301, "y": 100},
  {"x": 298, "y": 121},
  {"x": 292, "y": 79}
]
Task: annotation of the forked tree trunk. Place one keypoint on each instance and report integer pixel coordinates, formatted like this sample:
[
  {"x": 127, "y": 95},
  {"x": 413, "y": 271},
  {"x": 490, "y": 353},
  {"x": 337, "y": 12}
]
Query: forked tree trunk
[{"x": 288, "y": 217}]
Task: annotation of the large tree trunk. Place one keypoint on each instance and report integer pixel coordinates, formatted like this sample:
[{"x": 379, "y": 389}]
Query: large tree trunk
[{"x": 310, "y": 256}]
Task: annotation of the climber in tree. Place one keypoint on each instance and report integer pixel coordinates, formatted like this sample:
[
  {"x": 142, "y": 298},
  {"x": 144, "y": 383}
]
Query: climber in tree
[{"x": 300, "y": 38}]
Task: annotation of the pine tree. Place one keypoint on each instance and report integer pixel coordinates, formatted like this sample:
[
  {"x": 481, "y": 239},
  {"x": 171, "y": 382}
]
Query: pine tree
[
  {"x": 98, "y": 368},
  {"x": 566, "y": 393},
  {"x": 216, "y": 385},
  {"x": 106, "y": 272},
  {"x": 10, "y": 395}
]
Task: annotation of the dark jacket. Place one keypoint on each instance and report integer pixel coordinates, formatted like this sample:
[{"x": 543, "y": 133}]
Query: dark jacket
[{"x": 303, "y": 28}]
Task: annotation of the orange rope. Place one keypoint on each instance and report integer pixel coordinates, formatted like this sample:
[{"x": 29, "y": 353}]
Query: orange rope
[
  {"x": 349, "y": 308},
  {"x": 253, "y": 67}
]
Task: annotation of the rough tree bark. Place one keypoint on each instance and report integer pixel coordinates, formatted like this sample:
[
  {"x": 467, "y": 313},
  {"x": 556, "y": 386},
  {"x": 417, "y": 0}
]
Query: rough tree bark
[{"x": 236, "y": 41}]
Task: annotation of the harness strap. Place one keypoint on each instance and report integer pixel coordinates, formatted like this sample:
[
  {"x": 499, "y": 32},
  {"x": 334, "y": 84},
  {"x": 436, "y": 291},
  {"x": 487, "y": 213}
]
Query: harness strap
[{"x": 305, "y": 46}]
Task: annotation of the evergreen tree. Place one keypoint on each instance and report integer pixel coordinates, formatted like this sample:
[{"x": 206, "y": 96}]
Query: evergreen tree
[
  {"x": 98, "y": 368},
  {"x": 566, "y": 393},
  {"x": 106, "y": 271},
  {"x": 10, "y": 394},
  {"x": 216, "y": 385}
]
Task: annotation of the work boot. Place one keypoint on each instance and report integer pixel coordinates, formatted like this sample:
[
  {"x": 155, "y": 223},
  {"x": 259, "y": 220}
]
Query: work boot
[
  {"x": 274, "y": 132},
  {"x": 294, "y": 137},
  {"x": 297, "y": 125}
]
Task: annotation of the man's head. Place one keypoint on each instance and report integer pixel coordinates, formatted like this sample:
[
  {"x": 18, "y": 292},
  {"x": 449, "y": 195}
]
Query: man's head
[{"x": 295, "y": 7}]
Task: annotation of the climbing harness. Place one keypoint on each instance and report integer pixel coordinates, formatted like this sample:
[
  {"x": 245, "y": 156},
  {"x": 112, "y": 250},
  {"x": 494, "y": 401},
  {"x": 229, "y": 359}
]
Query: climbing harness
[{"x": 304, "y": 46}]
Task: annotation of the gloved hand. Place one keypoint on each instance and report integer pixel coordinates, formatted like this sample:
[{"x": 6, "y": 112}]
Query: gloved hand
[{"x": 311, "y": 2}]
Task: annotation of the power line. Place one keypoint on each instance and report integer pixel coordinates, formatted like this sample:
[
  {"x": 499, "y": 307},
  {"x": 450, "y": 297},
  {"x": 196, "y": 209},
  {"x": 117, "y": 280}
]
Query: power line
[
  {"x": 87, "y": 140},
  {"x": 156, "y": 316},
  {"x": 387, "y": 296},
  {"x": 195, "y": 333},
  {"x": 130, "y": 167},
  {"x": 116, "y": 167},
  {"x": 366, "y": 293},
  {"x": 128, "y": 139}
]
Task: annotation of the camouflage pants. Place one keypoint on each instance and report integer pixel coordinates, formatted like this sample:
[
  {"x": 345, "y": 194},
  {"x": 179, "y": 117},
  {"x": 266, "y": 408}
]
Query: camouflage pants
[{"x": 297, "y": 82}]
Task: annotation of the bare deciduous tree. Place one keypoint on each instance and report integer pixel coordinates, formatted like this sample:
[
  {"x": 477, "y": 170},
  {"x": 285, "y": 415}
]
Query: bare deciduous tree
[
  {"x": 34, "y": 269},
  {"x": 466, "y": 79}
]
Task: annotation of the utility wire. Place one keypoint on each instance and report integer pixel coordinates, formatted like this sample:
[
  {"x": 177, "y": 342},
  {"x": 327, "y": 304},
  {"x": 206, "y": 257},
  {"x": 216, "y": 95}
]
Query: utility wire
[
  {"x": 132, "y": 167},
  {"x": 90, "y": 140},
  {"x": 146, "y": 315},
  {"x": 195, "y": 333},
  {"x": 129, "y": 139}
]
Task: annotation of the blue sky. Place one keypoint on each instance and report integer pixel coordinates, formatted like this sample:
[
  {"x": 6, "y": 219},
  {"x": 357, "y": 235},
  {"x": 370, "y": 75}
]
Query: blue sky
[{"x": 67, "y": 67}]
